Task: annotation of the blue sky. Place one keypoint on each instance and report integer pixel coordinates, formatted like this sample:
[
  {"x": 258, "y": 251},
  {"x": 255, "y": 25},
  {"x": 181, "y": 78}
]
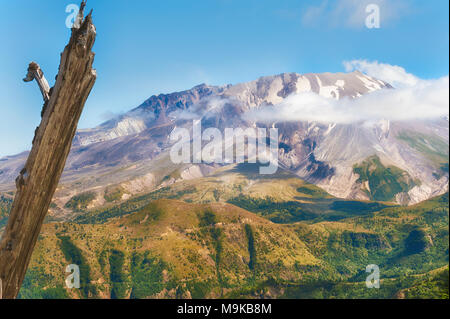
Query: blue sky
[{"x": 149, "y": 47}]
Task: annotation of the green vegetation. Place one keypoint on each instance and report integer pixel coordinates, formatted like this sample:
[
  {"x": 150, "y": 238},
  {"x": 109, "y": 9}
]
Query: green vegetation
[
  {"x": 432, "y": 146},
  {"x": 200, "y": 289},
  {"x": 443, "y": 169},
  {"x": 101, "y": 216},
  {"x": 33, "y": 283},
  {"x": 208, "y": 218},
  {"x": 251, "y": 247},
  {"x": 408, "y": 256},
  {"x": 277, "y": 212},
  {"x": 5, "y": 207},
  {"x": 384, "y": 182},
  {"x": 360, "y": 208},
  {"x": 313, "y": 191},
  {"x": 151, "y": 212},
  {"x": 295, "y": 211},
  {"x": 433, "y": 286},
  {"x": 172, "y": 249},
  {"x": 147, "y": 275},
  {"x": 81, "y": 201},
  {"x": 75, "y": 256},
  {"x": 418, "y": 236},
  {"x": 426, "y": 286},
  {"x": 102, "y": 260},
  {"x": 208, "y": 222},
  {"x": 119, "y": 283},
  {"x": 113, "y": 194},
  {"x": 416, "y": 242}
]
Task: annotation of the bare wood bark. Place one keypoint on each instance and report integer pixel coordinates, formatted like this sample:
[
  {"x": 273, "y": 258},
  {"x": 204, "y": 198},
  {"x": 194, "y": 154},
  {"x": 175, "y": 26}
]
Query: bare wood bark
[
  {"x": 35, "y": 73},
  {"x": 38, "y": 180}
]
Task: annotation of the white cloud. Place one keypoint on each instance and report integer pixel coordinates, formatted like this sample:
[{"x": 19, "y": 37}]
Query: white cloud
[
  {"x": 313, "y": 14},
  {"x": 206, "y": 108},
  {"x": 414, "y": 99},
  {"x": 392, "y": 74},
  {"x": 108, "y": 115}
]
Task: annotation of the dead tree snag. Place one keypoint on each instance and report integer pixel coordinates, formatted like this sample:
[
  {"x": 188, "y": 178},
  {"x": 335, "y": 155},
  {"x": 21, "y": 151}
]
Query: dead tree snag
[{"x": 38, "y": 180}]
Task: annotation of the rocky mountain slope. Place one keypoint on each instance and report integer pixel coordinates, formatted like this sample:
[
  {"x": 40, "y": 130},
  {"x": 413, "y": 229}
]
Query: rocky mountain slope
[{"x": 403, "y": 162}]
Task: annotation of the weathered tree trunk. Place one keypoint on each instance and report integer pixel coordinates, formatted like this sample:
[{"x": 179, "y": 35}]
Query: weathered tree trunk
[{"x": 38, "y": 180}]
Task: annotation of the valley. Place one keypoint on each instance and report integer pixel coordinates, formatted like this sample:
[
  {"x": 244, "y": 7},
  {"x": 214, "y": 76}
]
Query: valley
[
  {"x": 168, "y": 248},
  {"x": 234, "y": 235}
]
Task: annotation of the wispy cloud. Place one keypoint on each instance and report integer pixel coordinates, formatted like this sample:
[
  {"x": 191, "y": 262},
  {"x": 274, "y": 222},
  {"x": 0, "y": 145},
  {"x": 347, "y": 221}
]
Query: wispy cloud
[
  {"x": 413, "y": 99},
  {"x": 393, "y": 74},
  {"x": 109, "y": 115},
  {"x": 205, "y": 108},
  {"x": 351, "y": 13}
]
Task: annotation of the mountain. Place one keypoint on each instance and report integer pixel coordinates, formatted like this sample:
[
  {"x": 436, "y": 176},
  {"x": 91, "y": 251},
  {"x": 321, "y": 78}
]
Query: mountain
[
  {"x": 140, "y": 226},
  {"x": 400, "y": 162}
]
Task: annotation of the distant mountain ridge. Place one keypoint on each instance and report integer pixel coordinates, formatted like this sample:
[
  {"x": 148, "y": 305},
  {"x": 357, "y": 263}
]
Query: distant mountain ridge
[
  {"x": 328, "y": 155},
  {"x": 268, "y": 89}
]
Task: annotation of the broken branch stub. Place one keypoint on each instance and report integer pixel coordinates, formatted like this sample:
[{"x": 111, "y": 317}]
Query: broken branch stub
[
  {"x": 35, "y": 73},
  {"x": 38, "y": 180}
]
